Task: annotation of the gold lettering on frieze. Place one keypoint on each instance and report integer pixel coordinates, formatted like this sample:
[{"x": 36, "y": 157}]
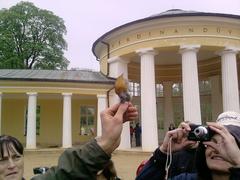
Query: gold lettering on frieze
[
  {"x": 205, "y": 29},
  {"x": 138, "y": 36},
  {"x": 190, "y": 30}
]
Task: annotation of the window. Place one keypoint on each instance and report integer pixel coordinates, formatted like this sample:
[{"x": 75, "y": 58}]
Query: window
[
  {"x": 134, "y": 88},
  {"x": 159, "y": 90},
  {"x": 160, "y": 115},
  {"x": 177, "y": 89},
  {"x": 87, "y": 118},
  {"x": 206, "y": 112},
  {"x": 178, "y": 112},
  {"x": 37, "y": 121},
  {"x": 205, "y": 87}
]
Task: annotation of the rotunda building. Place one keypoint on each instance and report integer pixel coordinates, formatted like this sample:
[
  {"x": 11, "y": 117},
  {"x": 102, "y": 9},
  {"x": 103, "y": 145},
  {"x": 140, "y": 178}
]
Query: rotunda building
[{"x": 181, "y": 66}]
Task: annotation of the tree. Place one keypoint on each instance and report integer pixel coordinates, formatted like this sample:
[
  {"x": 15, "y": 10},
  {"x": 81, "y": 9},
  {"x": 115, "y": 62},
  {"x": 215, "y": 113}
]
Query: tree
[{"x": 31, "y": 38}]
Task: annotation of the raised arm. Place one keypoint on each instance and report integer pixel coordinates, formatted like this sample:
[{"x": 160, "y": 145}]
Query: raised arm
[{"x": 86, "y": 161}]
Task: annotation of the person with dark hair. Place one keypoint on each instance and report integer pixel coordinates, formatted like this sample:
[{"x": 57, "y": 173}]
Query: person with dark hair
[
  {"x": 131, "y": 134},
  {"x": 183, "y": 161},
  {"x": 216, "y": 159},
  {"x": 138, "y": 133},
  {"x": 171, "y": 127},
  {"x": 11, "y": 158}
]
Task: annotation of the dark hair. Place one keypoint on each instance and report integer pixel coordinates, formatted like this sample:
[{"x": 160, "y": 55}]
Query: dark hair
[
  {"x": 11, "y": 144},
  {"x": 204, "y": 173}
]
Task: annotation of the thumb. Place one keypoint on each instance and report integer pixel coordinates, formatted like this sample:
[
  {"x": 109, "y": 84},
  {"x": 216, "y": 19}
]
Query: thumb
[{"x": 121, "y": 110}]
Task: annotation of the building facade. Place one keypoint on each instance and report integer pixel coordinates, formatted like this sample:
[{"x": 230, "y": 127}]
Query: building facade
[
  {"x": 47, "y": 108},
  {"x": 183, "y": 63}
]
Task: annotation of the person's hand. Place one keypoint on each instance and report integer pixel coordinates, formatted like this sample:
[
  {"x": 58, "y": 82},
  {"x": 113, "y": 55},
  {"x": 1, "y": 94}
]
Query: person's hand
[
  {"x": 227, "y": 146},
  {"x": 112, "y": 123},
  {"x": 178, "y": 137}
]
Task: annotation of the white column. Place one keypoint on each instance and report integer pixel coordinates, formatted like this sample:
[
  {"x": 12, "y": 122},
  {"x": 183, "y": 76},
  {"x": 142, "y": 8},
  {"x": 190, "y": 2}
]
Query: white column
[
  {"x": 0, "y": 113},
  {"x": 229, "y": 79},
  {"x": 102, "y": 104},
  {"x": 148, "y": 100},
  {"x": 118, "y": 66},
  {"x": 31, "y": 120},
  {"x": 191, "y": 98},
  {"x": 168, "y": 109},
  {"x": 216, "y": 96},
  {"x": 67, "y": 120}
]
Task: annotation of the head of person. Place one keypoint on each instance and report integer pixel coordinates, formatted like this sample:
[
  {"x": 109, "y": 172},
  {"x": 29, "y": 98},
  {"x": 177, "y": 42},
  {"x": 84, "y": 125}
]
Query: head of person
[
  {"x": 11, "y": 158},
  {"x": 207, "y": 159},
  {"x": 171, "y": 125}
]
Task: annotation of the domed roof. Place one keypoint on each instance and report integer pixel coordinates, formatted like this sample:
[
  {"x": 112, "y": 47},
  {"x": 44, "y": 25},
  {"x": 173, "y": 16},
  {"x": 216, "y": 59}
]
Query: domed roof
[
  {"x": 173, "y": 12},
  {"x": 180, "y": 12}
]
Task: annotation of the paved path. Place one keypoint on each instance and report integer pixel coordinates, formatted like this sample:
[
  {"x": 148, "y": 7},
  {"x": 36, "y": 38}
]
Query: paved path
[{"x": 126, "y": 162}]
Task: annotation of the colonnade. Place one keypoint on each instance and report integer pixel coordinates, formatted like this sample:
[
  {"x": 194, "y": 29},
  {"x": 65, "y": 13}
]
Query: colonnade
[
  {"x": 191, "y": 95},
  {"x": 66, "y": 121}
]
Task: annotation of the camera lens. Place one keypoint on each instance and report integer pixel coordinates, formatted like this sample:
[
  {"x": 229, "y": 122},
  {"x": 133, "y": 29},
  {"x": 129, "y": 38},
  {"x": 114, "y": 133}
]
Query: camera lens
[
  {"x": 197, "y": 131},
  {"x": 200, "y": 131}
]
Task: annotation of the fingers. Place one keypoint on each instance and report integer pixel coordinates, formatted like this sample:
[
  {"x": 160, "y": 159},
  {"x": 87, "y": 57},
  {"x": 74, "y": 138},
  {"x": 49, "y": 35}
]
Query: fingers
[
  {"x": 177, "y": 134},
  {"x": 131, "y": 114},
  {"x": 113, "y": 108},
  {"x": 179, "y": 140},
  {"x": 189, "y": 144},
  {"x": 121, "y": 110},
  {"x": 185, "y": 125},
  {"x": 211, "y": 144},
  {"x": 219, "y": 129}
]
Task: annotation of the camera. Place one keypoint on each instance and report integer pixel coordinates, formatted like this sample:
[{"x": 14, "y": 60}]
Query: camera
[
  {"x": 40, "y": 170},
  {"x": 200, "y": 133}
]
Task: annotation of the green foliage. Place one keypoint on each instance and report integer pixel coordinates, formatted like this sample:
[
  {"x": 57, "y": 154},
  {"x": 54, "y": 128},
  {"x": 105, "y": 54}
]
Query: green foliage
[{"x": 31, "y": 38}]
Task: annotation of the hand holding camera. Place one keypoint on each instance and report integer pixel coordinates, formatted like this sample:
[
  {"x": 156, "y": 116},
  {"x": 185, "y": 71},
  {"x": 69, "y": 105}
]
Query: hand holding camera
[
  {"x": 200, "y": 133},
  {"x": 178, "y": 139},
  {"x": 186, "y": 136}
]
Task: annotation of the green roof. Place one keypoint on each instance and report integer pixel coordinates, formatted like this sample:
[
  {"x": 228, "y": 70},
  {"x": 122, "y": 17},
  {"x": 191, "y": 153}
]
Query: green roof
[{"x": 84, "y": 76}]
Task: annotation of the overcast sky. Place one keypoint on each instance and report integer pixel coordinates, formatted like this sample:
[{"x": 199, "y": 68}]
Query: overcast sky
[{"x": 87, "y": 20}]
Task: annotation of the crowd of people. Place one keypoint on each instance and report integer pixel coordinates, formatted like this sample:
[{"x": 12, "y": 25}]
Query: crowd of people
[{"x": 177, "y": 158}]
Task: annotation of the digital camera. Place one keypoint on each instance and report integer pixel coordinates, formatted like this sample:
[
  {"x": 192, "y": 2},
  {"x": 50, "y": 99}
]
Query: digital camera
[
  {"x": 200, "y": 133},
  {"x": 40, "y": 170}
]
